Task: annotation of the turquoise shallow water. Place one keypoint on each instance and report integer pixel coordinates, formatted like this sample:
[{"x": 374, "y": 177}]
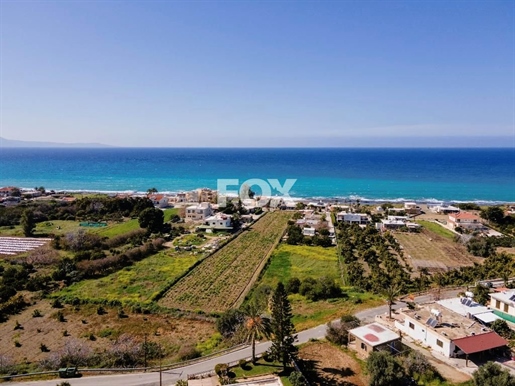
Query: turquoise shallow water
[{"x": 485, "y": 175}]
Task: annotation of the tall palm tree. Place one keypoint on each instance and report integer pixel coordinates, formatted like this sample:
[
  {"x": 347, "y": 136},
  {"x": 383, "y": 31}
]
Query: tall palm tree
[
  {"x": 391, "y": 292},
  {"x": 256, "y": 325}
]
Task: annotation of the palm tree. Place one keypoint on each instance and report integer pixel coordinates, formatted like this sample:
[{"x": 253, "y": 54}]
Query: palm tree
[
  {"x": 152, "y": 191},
  {"x": 256, "y": 326},
  {"x": 391, "y": 292}
]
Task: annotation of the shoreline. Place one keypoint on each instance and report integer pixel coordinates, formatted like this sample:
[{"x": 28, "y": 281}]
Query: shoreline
[{"x": 334, "y": 199}]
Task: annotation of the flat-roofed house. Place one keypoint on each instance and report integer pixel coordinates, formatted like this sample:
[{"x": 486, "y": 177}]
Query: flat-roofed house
[
  {"x": 504, "y": 303},
  {"x": 356, "y": 218},
  {"x": 412, "y": 208},
  {"x": 448, "y": 332},
  {"x": 199, "y": 212},
  {"x": 373, "y": 337},
  {"x": 309, "y": 231}
]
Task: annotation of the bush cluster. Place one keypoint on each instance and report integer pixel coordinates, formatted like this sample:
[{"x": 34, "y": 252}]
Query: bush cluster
[{"x": 315, "y": 289}]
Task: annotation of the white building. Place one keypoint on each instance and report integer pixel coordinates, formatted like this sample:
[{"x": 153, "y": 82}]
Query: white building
[
  {"x": 219, "y": 220},
  {"x": 199, "y": 212},
  {"x": 159, "y": 200},
  {"x": 355, "y": 218},
  {"x": 466, "y": 306},
  {"x": 447, "y": 332},
  {"x": 308, "y": 231},
  {"x": 412, "y": 208}
]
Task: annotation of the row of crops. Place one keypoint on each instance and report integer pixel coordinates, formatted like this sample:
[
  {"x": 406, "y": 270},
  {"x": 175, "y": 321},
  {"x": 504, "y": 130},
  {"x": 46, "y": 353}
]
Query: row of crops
[{"x": 217, "y": 283}]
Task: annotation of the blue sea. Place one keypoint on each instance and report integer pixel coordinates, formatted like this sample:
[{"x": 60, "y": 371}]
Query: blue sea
[{"x": 426, "y": 175}]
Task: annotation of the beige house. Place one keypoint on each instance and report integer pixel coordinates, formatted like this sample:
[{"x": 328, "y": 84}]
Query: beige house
[
  {"x": 503, "y": 302},
  {"x": 199, "y": 212},
  {"x": 373, "y": 337},
  {"x": 465, "y": 220}
]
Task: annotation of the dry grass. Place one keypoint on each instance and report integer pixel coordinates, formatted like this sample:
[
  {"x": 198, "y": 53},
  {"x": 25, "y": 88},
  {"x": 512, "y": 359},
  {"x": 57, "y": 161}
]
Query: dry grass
[
  {"x": 171, "y": 333},
  {"x": 331, "y": 366},
  {"x": 434, "y": 251}
]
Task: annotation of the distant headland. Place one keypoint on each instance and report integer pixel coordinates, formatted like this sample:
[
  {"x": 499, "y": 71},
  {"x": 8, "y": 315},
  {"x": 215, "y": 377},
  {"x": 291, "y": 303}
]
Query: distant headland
[{"x": 4, "y": 142}]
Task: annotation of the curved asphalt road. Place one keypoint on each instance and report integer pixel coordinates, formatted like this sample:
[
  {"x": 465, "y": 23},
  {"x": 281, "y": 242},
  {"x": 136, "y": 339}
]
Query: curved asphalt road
[{"x": 169, "y": 377}]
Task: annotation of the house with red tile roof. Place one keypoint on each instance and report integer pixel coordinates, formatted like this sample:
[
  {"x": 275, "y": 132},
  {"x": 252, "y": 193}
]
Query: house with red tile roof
[
  {"x": 465, "y": 220},
  {"x": 159, "y": 200}
]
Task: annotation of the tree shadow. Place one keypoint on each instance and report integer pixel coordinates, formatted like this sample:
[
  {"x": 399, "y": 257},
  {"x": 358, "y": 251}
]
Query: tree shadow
[{"x": 325, "y": 376}]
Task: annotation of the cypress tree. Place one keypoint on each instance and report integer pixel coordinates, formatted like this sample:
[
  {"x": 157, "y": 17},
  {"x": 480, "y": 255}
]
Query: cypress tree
[
  {"x": 28, "y": 222},
  {"x": 282, "y": 328}
]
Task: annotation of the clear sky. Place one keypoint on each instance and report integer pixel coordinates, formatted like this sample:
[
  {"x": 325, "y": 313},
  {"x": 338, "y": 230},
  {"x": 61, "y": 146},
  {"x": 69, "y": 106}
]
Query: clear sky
[{"x": 259, "y": 73}]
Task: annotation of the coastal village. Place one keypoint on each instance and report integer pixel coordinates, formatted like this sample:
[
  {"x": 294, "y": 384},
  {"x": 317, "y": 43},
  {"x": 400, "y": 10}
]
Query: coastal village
[{"x": 430, "y": 283}]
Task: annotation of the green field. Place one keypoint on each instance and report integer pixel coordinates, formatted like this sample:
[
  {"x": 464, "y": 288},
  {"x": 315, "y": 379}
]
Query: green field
[
  {"x": 300, "y": 261},
  {"x": 115, "y": 229},
  {"x": 438, "y": 229},
  {"x": 137, "y": 283},
  {"x": 169, "y": 213}
]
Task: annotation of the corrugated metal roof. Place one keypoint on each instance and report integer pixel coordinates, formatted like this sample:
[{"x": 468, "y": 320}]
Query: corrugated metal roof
[{"x": 477, "y": 343}]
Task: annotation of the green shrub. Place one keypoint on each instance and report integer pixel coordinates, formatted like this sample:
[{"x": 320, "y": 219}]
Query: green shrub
[
  {"x": 43, "y": 348},
  {"x": 243, "y": 363},
  {"x": 297, "y": 379},
  {"x": 37, "y": 314},
  {"x": 17, "y": 343},
  {"x": 221, "y": 369},
  {"x": 57, "y": 304}
]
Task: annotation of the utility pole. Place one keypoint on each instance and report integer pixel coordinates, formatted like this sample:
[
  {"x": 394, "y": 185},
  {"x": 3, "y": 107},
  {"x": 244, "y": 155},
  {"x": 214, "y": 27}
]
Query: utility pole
[
  {"x": 145, "y": 353},
  {"x": 160, "y": 368}
]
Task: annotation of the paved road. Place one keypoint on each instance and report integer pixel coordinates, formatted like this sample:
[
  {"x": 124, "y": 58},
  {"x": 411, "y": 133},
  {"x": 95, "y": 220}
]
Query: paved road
[{"x": 169, "y": 377}]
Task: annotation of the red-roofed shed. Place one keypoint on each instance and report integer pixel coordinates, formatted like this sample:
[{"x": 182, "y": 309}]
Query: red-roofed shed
[{"x": 477, "y": 343}]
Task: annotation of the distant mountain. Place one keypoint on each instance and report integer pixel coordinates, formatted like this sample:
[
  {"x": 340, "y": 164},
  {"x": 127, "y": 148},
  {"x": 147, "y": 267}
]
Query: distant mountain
[{"x": 15, "y": 143}]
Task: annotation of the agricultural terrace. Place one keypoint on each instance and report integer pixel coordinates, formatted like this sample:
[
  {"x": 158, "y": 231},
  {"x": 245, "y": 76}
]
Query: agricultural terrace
[
  {"x": 223, "y": 279},
  {"x": 136, "y": 283},
  {"x": 301, "y": 261},
  {"x": 434, "y": 252}
]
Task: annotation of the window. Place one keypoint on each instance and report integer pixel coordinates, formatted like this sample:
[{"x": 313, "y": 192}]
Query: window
[
  {"x": 498, "y": 304},
  {"x": 411, "y": 325},
  {"x": 439, "y": 343},
  {"x": 363, "y": 346},
  {"x": 505, "y": 307}
]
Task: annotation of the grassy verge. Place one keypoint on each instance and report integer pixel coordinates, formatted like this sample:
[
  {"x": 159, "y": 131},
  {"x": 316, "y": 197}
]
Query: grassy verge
[
  {"x": 261, "y": 368},
  {"x": 438, "y": 229},
  {"x": 138, "y": 282}
]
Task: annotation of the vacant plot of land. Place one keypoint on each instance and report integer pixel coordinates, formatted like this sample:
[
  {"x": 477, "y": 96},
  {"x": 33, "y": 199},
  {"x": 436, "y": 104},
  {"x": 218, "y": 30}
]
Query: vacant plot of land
[
  {"x": 300, "y": 261},
  {"x": 94, "y": 331},
  {"x": 220, "y": 280},
  {"x": 434, "y": 252},
  {"x": 134, "y": 283},
  {"x": 331, "y": 366}
]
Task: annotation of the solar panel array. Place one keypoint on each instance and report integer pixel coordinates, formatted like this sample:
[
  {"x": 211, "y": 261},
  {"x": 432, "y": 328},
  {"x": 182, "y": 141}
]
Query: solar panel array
[
  {"x": 432, "y": 322},
  {"x": 467, "y": 302},
  {"x": 512, "y": 298}
]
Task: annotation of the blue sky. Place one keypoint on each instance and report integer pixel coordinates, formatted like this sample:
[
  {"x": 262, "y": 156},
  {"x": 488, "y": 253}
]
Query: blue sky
[{"x": 259, "y": 73}]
